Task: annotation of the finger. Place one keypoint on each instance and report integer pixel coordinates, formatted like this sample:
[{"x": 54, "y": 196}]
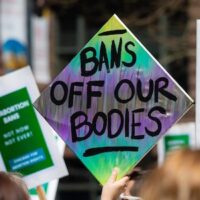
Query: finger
[
  {"x": 113, "y": 176},
  {"x": 122, "y": 182},
  {"x": 129, "y": 187}
]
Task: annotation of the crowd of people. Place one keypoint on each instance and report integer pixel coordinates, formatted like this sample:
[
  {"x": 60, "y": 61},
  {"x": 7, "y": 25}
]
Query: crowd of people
[{"x": 177, "y": 179}]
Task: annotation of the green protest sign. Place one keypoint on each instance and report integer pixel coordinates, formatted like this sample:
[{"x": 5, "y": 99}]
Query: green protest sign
[
  {"x": 173, "y": 142},
  {"x": 181, "y": 135},
  {"x": 26, "y": 142},
  {"x": 16, "y": 129},
  {"x": 49, "y": 188}
]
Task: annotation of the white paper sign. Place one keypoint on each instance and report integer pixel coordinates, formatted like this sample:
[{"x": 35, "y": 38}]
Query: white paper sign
[
  {"x": 180, "y": 135},
  {"x": 41, "y": 49},
  {"x": 26, "y": 141},
  {"x": 50, "y": 188},
  {"x": 13, "y": 33}
]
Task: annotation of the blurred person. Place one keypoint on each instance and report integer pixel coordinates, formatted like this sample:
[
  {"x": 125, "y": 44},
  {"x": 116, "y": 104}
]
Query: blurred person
[
  {"x": 12, "y": 187},
  {"x": 177, "y": 179}
]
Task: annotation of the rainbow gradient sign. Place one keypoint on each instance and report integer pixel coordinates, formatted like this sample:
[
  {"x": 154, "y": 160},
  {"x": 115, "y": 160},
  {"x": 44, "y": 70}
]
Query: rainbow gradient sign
[{"x": 112, "y": 102}]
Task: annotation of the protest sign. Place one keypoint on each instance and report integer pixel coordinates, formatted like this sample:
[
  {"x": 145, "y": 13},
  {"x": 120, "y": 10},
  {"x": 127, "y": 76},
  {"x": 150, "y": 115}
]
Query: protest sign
[
  {"x": 112, "y": 102},
  {"x": 50, "y": 188},
  {"x": 26, "y": 142},
  {"x": 14, "y": 33},
  {"x": 181, "y": 135},
  {"x": 40, "y": 51}
]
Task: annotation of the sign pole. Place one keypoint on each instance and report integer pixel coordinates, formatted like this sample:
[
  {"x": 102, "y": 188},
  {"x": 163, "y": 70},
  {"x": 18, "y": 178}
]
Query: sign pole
[{"x": 41, "y": 193}]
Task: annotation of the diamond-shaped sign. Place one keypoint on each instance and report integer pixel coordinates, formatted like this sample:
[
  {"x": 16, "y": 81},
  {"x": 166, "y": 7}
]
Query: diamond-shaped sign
[{"x": 112, "y": 102}]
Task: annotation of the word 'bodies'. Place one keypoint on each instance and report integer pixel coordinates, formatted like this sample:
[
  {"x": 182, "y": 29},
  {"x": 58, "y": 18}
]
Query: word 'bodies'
[{"x": 112, "y": 102}]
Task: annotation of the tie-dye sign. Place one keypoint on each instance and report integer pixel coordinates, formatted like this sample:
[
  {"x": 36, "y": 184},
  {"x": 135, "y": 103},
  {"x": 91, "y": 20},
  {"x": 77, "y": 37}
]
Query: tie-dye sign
[{"x": 112, "y": 102}]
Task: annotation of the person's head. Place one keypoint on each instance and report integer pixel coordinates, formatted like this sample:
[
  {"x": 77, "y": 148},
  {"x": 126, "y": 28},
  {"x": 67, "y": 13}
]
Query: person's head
[
  {"x": 177, "y": 179},
  {"x": 12, "y": 187}
]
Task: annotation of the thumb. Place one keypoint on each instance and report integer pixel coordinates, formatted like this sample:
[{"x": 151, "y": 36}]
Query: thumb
[
  {"x": 113, "y": 176},
  {"x": 123, "y": 181}
]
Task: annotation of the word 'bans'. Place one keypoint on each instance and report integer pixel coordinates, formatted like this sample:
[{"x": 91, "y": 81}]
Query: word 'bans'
[{"x": 90, "y": 62}]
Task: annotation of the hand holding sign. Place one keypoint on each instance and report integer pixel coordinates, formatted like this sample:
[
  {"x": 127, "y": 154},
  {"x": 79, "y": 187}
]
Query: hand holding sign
[
  {"x": 112, "y": 189},
  {"x": 112, "y": 102}
]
